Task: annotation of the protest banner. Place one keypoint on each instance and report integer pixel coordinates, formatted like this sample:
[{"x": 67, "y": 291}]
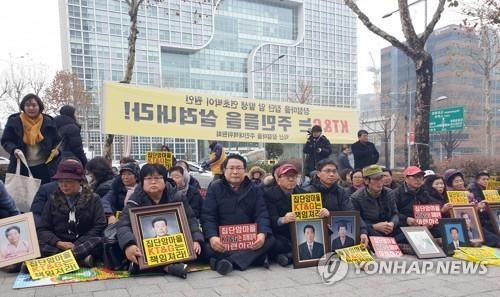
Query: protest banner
[
  {"x": 58, "y": 264},
  {"x": 491, "y": 196},
  {"x": 163, "y": 158},
  {"x": 385, "y": 247},
  {"x": 355, "y": 254},
  {"x": 458, "y": 197},
  {"x": 306, "y": 206},
  {"x": 148, "y": 111},
  {"x": 238, "y": 237},
  {"x": 428, "y": 214},
  {"x": 166, "y": 249}
]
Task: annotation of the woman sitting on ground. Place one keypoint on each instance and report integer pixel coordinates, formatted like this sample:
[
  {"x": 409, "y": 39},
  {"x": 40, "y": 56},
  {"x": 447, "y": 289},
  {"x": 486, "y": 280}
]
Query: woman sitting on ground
[
  {"x": 181, "y": 179},
  {"x": 73, "y": 218}
]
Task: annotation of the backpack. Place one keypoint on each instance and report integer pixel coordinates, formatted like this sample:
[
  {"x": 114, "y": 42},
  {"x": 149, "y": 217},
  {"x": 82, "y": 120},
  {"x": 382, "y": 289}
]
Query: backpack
[{"x": 113, "y": 256}]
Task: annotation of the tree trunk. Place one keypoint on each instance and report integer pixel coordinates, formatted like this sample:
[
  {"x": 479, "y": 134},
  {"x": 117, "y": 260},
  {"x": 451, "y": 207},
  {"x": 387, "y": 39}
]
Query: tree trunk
[
  {"x": 424, "y": 75},
  {"x": 386, "y": 152},
  {"x": 488, "y": 111},
  {"x": 133, "y": 11}
]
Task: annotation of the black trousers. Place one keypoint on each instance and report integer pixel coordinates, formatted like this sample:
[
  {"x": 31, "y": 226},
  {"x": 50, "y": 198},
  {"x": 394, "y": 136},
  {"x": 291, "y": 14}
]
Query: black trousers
[
  {"x": 242, "y": 259},
  {"x": 282, "y": 245}
]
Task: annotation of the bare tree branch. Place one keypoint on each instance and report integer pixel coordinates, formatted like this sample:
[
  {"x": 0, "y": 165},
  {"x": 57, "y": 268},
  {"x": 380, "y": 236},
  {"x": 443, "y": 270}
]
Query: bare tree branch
[
  {"x": 366, "y": 21},
  {"x": 435, "y": 18}
]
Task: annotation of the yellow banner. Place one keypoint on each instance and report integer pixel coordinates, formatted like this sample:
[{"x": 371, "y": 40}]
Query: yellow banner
[
  {"x": 306, "y": 206},
  {"x": 58, "y": 264},
  {"x": 163, "y": 158},
  {"x": 165, "y": 249},
  {"x": 458, "y": 197},
  {"x": 491, "y": 196},
  {"x": 484, "y": 255},
  {"x": 355, "y": 254},
  {"x": 148, "y": 111}
]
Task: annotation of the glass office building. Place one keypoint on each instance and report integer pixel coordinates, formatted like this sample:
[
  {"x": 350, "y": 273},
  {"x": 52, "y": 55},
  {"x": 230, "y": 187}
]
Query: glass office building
[{"x": 266, "y": 49}]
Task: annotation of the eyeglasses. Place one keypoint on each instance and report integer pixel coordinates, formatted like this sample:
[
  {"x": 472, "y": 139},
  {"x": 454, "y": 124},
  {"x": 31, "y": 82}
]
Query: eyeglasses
[
  {"x": 235, "y": 168},
  {"x": 155, "y": 178},
  {"x": 329, "y": 171}
]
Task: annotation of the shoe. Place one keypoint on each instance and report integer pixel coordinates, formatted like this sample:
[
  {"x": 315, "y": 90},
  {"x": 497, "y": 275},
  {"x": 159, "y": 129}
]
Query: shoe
[
  {"x": 213, "y": 263},
  {"x": 283, "y": 260},
  {"x": 133, "y": 268},
  {"x": 224, "y": 267},
  {"x": 177, "y": 269},
  {"x": 265, "y": 263},
  {"x": 88, "y": 261}
]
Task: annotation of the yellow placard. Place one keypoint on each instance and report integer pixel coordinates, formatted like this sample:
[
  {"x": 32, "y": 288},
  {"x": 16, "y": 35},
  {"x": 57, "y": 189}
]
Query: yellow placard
[
  {"x": 161, "y": 157},
  {"x": 118, "y": 214},
  {"x": 484, "y": 255},
  {"x": 306, "y": 206},
  {"x": 165, "y": 249},
  {"x": 458, "y": 197},
  {"x": 493, "y": 185},
  {"x": 147, "y": 111},
  {"x": 355, "y": 254},
  {"x": 58, "y": 264},
  {"x": 491, "y": 196}
]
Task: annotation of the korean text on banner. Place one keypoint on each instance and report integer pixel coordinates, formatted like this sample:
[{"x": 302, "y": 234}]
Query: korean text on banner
[
  {"x": 306, "y": 206},
  {"x": 148, "y": 111},
  {"x": 58, "y": 264},
  {"x": 165, "y": 249}
]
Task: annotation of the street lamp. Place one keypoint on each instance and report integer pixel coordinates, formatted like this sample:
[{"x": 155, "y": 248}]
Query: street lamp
[{"x": 270, "y": 64}]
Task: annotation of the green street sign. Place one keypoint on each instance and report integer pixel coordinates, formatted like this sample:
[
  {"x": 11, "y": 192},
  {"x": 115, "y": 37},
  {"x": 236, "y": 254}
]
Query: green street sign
[{"x": 446, "y": 119}]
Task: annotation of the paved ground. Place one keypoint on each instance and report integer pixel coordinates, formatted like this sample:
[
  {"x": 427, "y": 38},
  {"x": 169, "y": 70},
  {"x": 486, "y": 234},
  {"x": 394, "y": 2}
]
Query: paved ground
[{"x": 276, "y": 281}]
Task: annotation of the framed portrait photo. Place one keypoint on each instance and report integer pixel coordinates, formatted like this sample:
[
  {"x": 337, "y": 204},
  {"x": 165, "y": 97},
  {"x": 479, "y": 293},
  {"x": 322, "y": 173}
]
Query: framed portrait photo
[
  {"x": 422, "y": 242},
  {"x": 494, "y": 214},
  {"x": 18, "y": 239},
  {"x": 309, "y": 242},
  {"x": 472, "y": 223},
  {"x": 344, "y": 228},
  {"x": 453, "y": 234},
  {"x": 162, "y": 234}
]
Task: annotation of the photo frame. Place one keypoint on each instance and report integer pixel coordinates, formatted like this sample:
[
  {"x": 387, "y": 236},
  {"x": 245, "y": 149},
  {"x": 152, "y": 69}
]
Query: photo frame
[
  {"x": 18, "y": 239},
  {"x": 305, "y": 255},
  {"x": 450, "y": 228},
  {"x": 422, "y": 242},
  {"x": 157, "y": 221},
  {"x": 472, "y": 222},
  {"x": 494, "y": 214},
  {"x": 347, "y": 223}
]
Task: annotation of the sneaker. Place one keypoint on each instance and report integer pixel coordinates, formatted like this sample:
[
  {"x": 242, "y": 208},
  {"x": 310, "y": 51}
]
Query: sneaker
[
  {"x": 178, "y": 269},
  {"x": 224, "y": 267},
  {"x": 283, "y": 260}
]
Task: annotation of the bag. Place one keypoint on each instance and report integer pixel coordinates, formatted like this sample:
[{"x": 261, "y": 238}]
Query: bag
[
  {"x": 22, "y": 188},
  {"x": 113, "y": 255}
]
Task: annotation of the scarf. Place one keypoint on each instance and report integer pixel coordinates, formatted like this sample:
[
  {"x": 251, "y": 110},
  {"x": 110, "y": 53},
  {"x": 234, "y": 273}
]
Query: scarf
[
  {"x": 31, "y": 127},
  {"x": 72, "y": 219},
  {"x": 185, "y": 188}
]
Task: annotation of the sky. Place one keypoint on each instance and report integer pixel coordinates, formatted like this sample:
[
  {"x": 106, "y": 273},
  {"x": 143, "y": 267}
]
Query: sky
[{"x": 31, "y": 33}]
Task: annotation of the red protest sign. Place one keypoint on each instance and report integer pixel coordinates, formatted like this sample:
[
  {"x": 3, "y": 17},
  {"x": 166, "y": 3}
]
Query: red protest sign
[
  {"x": 428, "y": 214},
  {"x": 385, "y": 247},
  {"x": 238, "y": 237}
]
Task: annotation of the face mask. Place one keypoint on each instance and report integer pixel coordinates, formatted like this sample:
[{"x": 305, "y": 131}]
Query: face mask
[{"x": 89, "y": 178}]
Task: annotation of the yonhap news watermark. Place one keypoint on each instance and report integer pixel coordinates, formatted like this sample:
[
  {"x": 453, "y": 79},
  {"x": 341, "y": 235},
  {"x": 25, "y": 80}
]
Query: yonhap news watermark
[{"x": 332, "y": 270}]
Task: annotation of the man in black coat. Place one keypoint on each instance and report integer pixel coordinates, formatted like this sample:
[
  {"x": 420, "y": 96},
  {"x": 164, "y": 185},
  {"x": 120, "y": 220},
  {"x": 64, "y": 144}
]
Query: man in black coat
[
  {"x": 232, "y": 200},
  {"x": 279, "y": 204},
  {"x": 69, "y": 130},
  {"x": 364, "y": 152},
  {"x": 310, "y": 249},
  {"x": 317, "y": 148},
  {"x": 378, "y": 211}
]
